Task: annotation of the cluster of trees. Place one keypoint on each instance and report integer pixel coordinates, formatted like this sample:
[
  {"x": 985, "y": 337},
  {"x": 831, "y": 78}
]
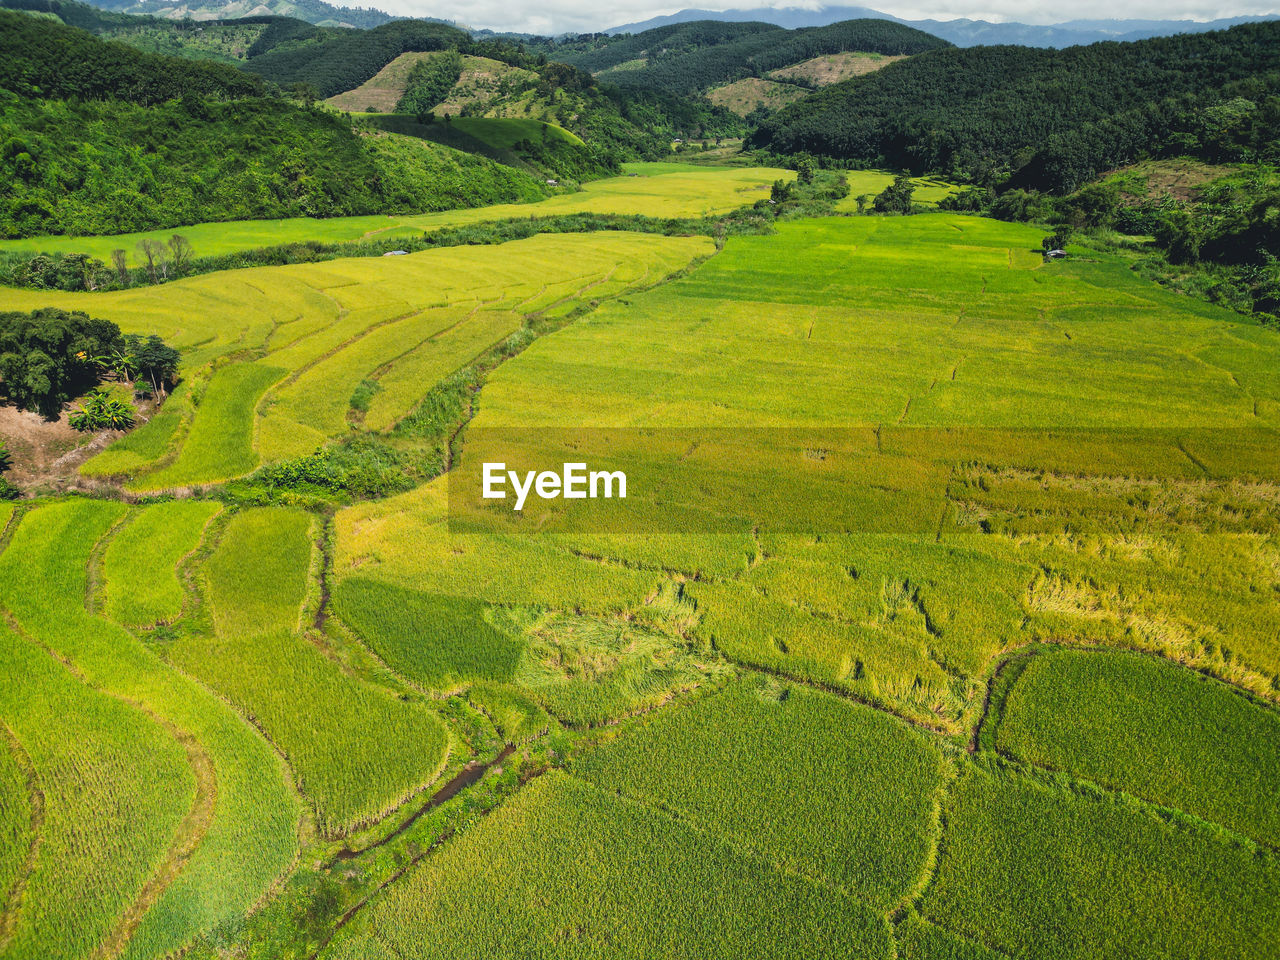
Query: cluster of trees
[
  {"x": 429, "y": 82},
  {"x": 49, "y": 356},
  {"x": 46, "y": 59},
  {"x": 688, "y": 58},
  {"x": 7, "y": 490},
  {"x": 1049, "y": 119},
  {"x": 756, "y": 55}
]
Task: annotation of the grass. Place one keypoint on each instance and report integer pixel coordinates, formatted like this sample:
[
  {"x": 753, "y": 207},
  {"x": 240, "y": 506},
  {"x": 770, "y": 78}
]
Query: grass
[
  {"x": 800, "y": 779},
  {"x": 566, "y": 870},
  {"x": 1153, "y": 729},
  {"x": 744, "y": 96},
  {"x": 506, "y": 132},
  {"x": 250, "y": 834},
  {"x": 1041, "y": 872},
  {"x": 257, "y": 576},
  {"x": 383, "y": 90},
  {"x": 141, "y": 586}
]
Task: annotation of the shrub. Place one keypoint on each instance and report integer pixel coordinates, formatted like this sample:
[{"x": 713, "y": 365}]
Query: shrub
[{"x": 101, "y": 411}]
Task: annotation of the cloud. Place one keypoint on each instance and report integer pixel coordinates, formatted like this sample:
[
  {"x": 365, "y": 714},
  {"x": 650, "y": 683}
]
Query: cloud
[{"x": 560, "y": 16}]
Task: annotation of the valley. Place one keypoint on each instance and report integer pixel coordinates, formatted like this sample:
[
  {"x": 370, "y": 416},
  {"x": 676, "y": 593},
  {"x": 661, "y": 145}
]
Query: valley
[{"x": 936, "y": 618}]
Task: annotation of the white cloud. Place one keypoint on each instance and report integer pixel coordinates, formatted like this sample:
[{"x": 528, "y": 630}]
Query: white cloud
[{"x": 558, "y": 16}]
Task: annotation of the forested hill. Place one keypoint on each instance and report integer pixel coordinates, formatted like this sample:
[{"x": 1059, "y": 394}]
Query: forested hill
[
  {"x": 345, "y": 59},
  {"x": 99, "y": 137},
  {"x": 692, "y": 57},
  {"x": 1046, "y": 118},
  {"x": 46, "y": 59}
]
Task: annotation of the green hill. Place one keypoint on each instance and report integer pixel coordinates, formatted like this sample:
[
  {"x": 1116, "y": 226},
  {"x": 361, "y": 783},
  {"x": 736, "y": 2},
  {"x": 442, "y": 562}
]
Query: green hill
[
  {"x": 1051, "y": 119},
  {"x": 45, "y": 59},
  {"x": 99, "y": 137}
]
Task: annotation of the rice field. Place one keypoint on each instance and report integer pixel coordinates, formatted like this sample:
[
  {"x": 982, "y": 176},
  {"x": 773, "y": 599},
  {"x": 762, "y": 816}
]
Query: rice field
[
  {"x": 234, "y": 841},
  {"x": 567, "y": 870},
  {"x": 140, "y": 575},
  {"x": 819, "y": 787},
  {"x": 257, "y": 576},
  {"x": 1066, "y": 365},
  {"x": 1035, "y": 871},
  {"x": 275, "y": 354},
  {"x": 114, "y": 788},
  {"x": 1171, "y": 736},
  {"x": 872, "y": 458}
]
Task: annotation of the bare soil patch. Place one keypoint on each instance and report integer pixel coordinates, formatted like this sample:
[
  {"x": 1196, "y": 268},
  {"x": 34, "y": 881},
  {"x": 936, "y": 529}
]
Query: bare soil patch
[
  {"x": 834, "y": 67},
  {"x": 46, "y": 454}
]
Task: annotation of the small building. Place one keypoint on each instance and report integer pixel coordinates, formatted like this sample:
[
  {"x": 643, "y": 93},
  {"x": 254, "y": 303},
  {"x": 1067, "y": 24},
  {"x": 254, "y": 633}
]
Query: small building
[
  {"x": 1055, "y": 254},
  {"x": 396, "y": 253}
]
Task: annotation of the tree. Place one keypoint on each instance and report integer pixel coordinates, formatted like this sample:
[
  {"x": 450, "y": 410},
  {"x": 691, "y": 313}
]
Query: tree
[
  {"x": 806, "y": 168},
  {"x": 7, "y": 490},
  {"x": 49, "y": 356},
  {"x": 180, "y": 253},
  {"x": 148, "y": 250},
  {"x": 154, "y": 360},
  {"x": 895, "y": 198},
  {"x": 101, "y": 411},
  {"x": 1058, "y": 239},
  {"x": 121, "y": 266}
]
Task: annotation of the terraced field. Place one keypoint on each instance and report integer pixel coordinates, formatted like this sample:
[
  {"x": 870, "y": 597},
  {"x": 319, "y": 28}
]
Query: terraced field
[{"x": 939, "y": 621}]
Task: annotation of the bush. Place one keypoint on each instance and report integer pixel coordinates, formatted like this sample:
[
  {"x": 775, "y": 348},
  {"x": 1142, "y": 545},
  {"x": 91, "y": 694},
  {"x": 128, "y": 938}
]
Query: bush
[{"x": 101, "y": 411}]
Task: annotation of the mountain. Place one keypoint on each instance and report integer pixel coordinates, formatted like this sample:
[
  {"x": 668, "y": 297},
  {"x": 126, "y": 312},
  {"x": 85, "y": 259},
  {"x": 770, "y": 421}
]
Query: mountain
[
  {"x": 962, "y": 33},
  {"x": 1049, "y": 119},
  {"x": 312, "y": 11}
]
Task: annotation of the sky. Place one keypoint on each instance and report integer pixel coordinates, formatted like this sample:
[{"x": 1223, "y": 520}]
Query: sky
[{"x": 559, "y": 16}]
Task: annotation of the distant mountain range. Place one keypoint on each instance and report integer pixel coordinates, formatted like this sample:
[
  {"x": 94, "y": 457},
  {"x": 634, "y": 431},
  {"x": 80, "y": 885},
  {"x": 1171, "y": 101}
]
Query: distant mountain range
[
  {"x": 312, "y": 11},
  {"x": 963, "y": 33}
]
